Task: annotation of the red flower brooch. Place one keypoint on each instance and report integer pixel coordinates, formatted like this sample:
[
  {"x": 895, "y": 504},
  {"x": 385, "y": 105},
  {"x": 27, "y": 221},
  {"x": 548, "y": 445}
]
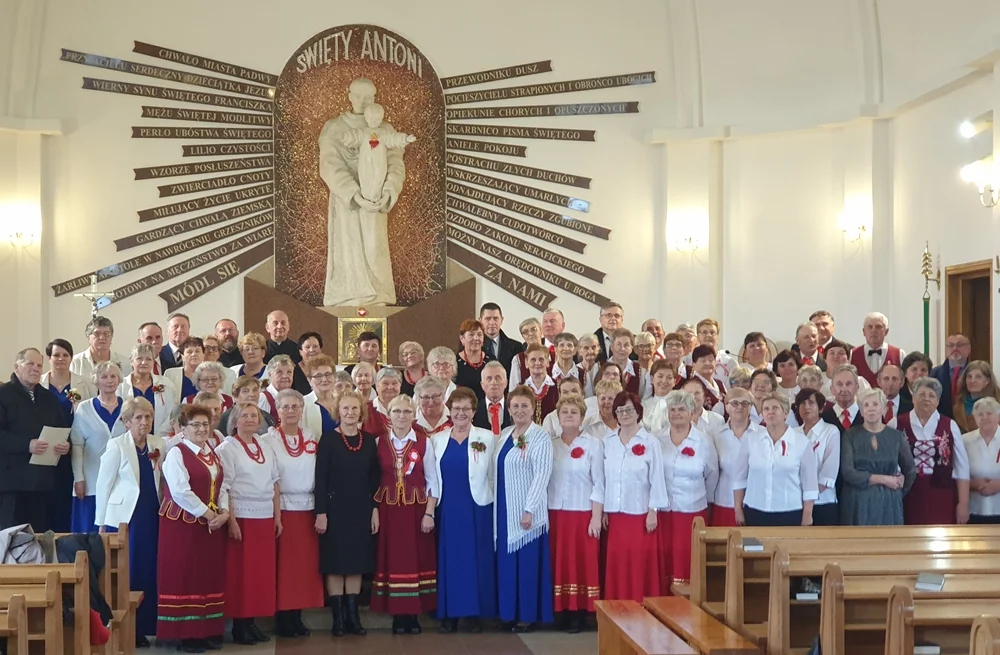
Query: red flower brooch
[
  {"x": 576, "y": 453},
  {"x": 158, "y": 388},
  {"x": 638, "y": 450},
  {"x": 154, "y": 456},
  {"x": 478, "y": 446},
  {"x": 687, "y": 451},
  {"x": 74, "y": 395}
]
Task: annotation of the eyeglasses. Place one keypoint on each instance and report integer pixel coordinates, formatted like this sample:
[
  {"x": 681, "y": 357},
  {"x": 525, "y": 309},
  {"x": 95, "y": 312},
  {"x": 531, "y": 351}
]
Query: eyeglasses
[
  {"x": 101, "y": 334},
  {"x": 411, "y": 353},
  {"x": 625, "y": 411},
  {"x": 212, "y": 378},
  {"x": 322, "y": 376},
  {"x": 401, "y": 412},
  {"x": 739, "y": 403},
  {"x": 211, "y": 349},
  {"x": 615, "y": 315},
  {"x": 461, "y": 409},
  {"x": 437, "y": 396},
  {"x": 198, "y": 427},
  {"x": 441, "y": 366},
  {"x": 956, "y": 344},
  {"x": 252, "y": 349}
]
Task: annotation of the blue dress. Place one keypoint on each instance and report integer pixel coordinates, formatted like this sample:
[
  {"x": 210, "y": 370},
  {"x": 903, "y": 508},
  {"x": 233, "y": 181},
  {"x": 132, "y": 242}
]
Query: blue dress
[
  {"x": 62, "y": 395},
  {"x": 85, "y": 509},
  {"x": 466, "y": 565},
  {"x": 187, "y": 387},
  {"x": 524, "y": 577},
  {"x": 329, "y": 423},
  {"x": 147, "y": 394},
  {"x": 143, "y": 538},
  {"x": 61, "y": 500}
]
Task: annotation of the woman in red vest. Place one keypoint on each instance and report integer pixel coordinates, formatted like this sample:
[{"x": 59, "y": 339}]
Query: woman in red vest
[
  {"x": 940, "y": 494},
  {"x": 191, "y": 583}
]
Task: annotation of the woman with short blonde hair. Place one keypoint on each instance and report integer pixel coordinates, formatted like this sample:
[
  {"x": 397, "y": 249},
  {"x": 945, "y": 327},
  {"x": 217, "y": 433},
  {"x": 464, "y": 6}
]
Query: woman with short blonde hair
[
  {"x": 253, "y": 347},
  {"x": 413, "y": 359},
  {"x": 443, "y": 364},
  {"x": 983, "y": 449}
]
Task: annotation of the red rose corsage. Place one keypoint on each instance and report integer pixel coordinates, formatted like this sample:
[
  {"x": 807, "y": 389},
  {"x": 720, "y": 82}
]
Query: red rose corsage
[
  {"x": 576, "y": 453},
  {"x": 477, "y": 447},
  {"x": 158, "y": 388},
  {"x": 154, "y": 456},
  {"x": 687, "y": 451},
  {"x": 74, "y": 395},
  {"x": 638, "y": 450}
]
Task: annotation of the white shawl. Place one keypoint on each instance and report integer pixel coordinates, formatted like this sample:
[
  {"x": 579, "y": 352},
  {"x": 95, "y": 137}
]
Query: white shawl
[{"x": 526, "y": 482}]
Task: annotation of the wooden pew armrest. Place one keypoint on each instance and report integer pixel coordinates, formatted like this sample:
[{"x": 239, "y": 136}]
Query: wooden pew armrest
[{"x": 135, "y": 599}]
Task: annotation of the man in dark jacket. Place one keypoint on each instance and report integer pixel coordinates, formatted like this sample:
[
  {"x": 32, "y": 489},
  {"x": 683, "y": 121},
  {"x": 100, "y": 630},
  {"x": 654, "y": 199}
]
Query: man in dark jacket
[
  {"x": 496, "y": 344},
  {"x": 25, "y": 407}
]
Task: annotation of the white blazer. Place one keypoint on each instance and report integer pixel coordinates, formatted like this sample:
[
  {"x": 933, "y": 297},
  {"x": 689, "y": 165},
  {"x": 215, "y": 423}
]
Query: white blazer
[
  {"x": 163, "y": 403},
  {"x": 89, "y": 438},
  {"x": 480, "y": 465},
  {"x": 118, "y": 480},
  {"x": 176, "y": 377},
  {"x": 83, "y": 364},
  {"x": 312, "y": 419},
  {"x": 80, "y": 384}
]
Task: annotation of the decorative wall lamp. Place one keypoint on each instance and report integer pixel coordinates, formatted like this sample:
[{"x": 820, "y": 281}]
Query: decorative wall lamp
[
  {"x": 687, "y": 231},
  {"x": 855, "y": 220},
  {"x": 21, "y": 223},
  {"x": 970, "y": 128},
  {"x": 982, "y": 174}
]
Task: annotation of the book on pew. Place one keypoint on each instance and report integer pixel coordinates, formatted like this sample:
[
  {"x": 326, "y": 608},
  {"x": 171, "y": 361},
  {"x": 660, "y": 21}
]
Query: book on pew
[
  {"x": 926, "y": 648},
  {"x": 929, "y": 582},
  {"x": 752, "y": 545},
  {"x": 806, "y": 595}
]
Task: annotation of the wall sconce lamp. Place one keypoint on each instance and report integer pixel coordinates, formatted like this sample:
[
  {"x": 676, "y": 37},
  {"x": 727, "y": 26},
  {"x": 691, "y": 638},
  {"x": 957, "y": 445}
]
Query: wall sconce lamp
[
  {"x": 972, "y": 127},
  {"x": 983, "y": 175},
  {"x": 687, "y": 231},
  {"x": 855, "y": 220},
  {"x": 21, "y": 223}
]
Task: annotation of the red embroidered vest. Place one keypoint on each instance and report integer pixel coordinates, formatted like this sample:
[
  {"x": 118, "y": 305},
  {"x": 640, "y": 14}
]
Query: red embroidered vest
[
  {"x": 522, "y": 364},
  {"x": 377, "y": 423},
  {"x": 941, "y": 449},
  {"x": 860, "y": 362},
  {"x": 272, "y": 405},
  {"x": 711, "y": 397},
  {"x": 201, "y": 484},
  {"x": 227, "y": 401},
  {"x": 403, "y": 480}
]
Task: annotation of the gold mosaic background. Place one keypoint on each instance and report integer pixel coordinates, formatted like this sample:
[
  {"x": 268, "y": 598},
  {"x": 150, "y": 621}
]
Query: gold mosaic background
[{"x": 303, "y": 103}]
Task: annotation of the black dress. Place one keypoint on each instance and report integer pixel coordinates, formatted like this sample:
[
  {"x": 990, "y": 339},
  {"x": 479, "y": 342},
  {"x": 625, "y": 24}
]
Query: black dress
[
  {"x": 346, "y": 482},
  {"x": 472, "y": 376}
]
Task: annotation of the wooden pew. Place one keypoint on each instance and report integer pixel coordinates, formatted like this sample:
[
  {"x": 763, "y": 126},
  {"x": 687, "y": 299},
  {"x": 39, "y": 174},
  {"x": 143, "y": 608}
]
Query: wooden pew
[
  {"x": 14, "y": 625},
  {"x": 985, "y": 636},
  {"x": 44, "y": 611},
  {"x": 806, "y": 619},
  {"x": 625, "y": 628},
  {"x": 943, "y": 621},
  {"x": 705, "y": 633}
]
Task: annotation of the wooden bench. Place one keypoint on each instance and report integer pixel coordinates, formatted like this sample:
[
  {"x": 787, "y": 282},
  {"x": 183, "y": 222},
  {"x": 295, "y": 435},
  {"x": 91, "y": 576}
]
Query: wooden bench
[
  {"x": 943, "y": 621},
  {"x": 853, "y": 609},
  {"x": 624, "y": 627},
  {"x": 44, "y": 612},
  {"x": 705, "y": 633},
  {"x": 806, "y": 620},
  {"x": 709, "y": 549},
  {"x": 14, "y": 625},
  {"x": 985, "y": 636}
]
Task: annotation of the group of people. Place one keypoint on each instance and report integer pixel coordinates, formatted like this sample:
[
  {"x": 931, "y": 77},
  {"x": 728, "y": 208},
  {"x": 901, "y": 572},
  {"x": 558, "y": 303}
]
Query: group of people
[{"x": 574, "y": 466}]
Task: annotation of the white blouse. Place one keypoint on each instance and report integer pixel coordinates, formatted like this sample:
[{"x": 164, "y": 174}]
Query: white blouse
[
  {"x": 924, "y": 462},
  {"x": 824, "y": 439},
  {"x": 691, "y": 470},
  {"x": 984, "y": 462},
  {"x": 731, "y": 451},
  {"x": 297, "y": 474},
  {"x": 778, "y": 475},
  {"x": 250, "y": 482},
  {"x": 551, "y": 421},
  {"x": 710, "y": 422},
  {"x": 179, "y": 481},
  {"x": 654, "y": 413},
  {"x": 577, "y": 474},
  {"x": 633, "y": 475}
]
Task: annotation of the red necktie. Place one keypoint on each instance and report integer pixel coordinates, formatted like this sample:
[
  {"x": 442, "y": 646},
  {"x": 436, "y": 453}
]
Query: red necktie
[
  {"x": 156, "y": 367},
  {"x": 495, "y": 418},
  {"x": 846, "y": 420},
  {"x": 807, "y": 361},
  {"x": 820, "y": 350},
  {"x": 888, "y": 411},
  {"x": 955, "y": 372}
]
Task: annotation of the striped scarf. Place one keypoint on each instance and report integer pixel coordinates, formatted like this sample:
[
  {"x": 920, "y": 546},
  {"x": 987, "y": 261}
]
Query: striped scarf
[{"x": 526, "y": 481}]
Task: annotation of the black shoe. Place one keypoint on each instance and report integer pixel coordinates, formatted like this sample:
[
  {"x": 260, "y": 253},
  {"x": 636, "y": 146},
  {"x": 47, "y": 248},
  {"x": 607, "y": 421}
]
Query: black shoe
[
  {"x": 283, "y": 626},
  {"x": 474, "y": 625},
  {"x": 241, "y": 633},
  {"x": 213, "y": 643},
  {"x": 414, "y": 625},
  {"x": 256, "y": 633},
  {"x": 507, "y": 626},
  {"x": 296, "y": 623},
  {"x": 575, "y": 623},
  {"x": 192, "y": 646},
  {"x": 141, "y": 642},
  {"x": 448, "y": 626},
  {"x": 336, "y": 604},
  {"x": 398, "y": 625},
  {"x": 352, "y": 621},
  {"x": 522, "y": 628}
]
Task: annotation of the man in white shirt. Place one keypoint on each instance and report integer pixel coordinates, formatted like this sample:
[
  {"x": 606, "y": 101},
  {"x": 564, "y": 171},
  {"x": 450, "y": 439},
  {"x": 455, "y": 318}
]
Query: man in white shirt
[
  {"x": 553, "y": 322},
  {"x": 151, "y": 334},
  {"x": 875, "y": 353},
  {"x": 178, "y": 331},
  {"x": 100, "y": 331},
  {"x": 655, "y": 327},
  {"x": 890, "y": 380},
  {"x": 844, "y": 413},
  {"x": 612, "y": 317}
]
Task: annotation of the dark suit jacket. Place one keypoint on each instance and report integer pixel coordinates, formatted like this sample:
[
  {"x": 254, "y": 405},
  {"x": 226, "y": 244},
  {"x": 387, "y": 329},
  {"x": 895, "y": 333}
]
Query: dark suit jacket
[
  {"x": 603, "y": 355},
  {"x": 943, "y": 374},
  {"x": 167, "y": 359},
  {"x": 482, "y": 417},
  {"x": 21, "y": 420},
  {"x": 906, "y": 401},
  {"x": 508, "y": 350},
  {"x": 820, "y": 360},
  {"x": 286, "y": 347},
  {"x": 831, "y": 416}
]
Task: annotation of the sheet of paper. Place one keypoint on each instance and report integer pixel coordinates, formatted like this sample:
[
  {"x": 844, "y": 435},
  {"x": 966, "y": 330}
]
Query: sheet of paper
[{"x": 50, "y": 436}]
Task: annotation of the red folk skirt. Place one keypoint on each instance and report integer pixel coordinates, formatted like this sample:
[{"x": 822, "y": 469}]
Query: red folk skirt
[
  {"x": 673, "y": 543},
  {"x": 723, "y": 517},
  {"x": 633, "y": 568},
  {"x": 405, "y": 579},
  {"x": 251, "y": 570},
  {"x": 929, "y": 505},
  {"x": 575, "y": 579},
  {"x": 191, "y": 583},
  {"x": 300, "y": 585}
]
